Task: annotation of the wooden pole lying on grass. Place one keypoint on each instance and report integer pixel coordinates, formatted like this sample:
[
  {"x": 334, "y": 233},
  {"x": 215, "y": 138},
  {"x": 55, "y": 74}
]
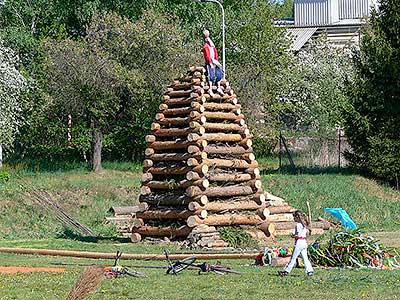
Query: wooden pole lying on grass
[{"x": 102, "y": 255}]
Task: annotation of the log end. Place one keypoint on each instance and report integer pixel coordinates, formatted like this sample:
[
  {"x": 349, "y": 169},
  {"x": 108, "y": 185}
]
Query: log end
[
  {"x": 136, "y": 237},
  {"x": 149, "y": 151},
  {"x": 193, "y": 221},
  {"x": 203, "y": 214}
]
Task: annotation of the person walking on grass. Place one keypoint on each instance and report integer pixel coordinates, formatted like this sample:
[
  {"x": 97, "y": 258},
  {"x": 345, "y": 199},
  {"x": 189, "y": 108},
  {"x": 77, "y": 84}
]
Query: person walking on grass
[
  {"x": 214, "y": 68},
  {"x": 300, "y": 246}
]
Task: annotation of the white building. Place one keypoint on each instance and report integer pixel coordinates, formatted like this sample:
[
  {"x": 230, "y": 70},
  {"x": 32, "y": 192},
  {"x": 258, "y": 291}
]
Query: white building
[{"x": 340, "y": 20}]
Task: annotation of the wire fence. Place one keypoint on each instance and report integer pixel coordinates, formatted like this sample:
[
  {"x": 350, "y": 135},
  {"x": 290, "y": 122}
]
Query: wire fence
[{"x": 313, "y": 152}]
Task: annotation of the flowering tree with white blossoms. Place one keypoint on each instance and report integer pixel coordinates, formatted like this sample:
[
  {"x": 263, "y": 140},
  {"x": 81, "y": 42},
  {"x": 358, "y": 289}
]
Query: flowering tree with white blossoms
[{"x": 12, "y": 85}]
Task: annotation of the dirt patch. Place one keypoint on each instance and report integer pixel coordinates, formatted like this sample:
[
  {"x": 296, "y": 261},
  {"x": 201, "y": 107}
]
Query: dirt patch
[{"x": 13, "y": 270}]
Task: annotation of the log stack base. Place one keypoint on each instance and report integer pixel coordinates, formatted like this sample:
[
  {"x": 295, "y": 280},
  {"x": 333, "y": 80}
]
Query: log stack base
[{"x": 200, "y": 172}]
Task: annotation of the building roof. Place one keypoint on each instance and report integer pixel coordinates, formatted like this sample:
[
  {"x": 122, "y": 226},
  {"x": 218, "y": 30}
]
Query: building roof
[{"x": 300, "y": 36}]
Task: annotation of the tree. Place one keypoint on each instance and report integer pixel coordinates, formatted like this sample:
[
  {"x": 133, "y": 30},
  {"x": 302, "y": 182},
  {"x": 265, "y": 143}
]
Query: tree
[
  {"x": 85, "y": 81},
  {"x": 372, "y": 122},
  {"x": 12, "y": 86},
  {"x": 113, "y": 78},
  {"x": 316, "y": 88},
  {"x": 257, "y": 60}
]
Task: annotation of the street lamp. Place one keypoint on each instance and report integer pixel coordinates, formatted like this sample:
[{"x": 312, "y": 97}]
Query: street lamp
[{"x": 223, "y": 31}]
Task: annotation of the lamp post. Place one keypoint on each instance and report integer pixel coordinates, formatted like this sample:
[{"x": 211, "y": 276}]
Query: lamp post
[{"x": 223, "y": 31}]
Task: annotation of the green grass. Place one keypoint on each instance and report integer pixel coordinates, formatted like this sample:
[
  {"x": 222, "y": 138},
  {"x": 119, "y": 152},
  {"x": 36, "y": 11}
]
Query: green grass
[
  {"x": 88, "y": 197},
  {"x": 254, "y": 283},
  {"x": 371, "y": 205}
]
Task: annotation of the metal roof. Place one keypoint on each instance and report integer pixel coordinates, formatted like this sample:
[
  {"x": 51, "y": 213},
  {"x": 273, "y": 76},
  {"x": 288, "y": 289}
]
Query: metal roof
[{"x": 300, "y": 36}]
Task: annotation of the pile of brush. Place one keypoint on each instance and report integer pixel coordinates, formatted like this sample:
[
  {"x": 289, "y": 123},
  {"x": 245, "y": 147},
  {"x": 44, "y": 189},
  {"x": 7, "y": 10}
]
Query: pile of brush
[{"x": 353, "y": 249}]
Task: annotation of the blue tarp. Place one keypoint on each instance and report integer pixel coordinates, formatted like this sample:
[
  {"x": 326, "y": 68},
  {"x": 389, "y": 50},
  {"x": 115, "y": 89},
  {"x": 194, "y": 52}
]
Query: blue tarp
[{"x": 343, "y": 216}]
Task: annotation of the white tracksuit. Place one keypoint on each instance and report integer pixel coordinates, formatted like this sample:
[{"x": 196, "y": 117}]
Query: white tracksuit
[{"x": 300, "y": 247}]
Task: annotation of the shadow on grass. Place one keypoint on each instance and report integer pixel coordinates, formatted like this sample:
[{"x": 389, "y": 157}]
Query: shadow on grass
[
  {"x": 68, "y": 234},
  {"x": 309, "y": 170}
]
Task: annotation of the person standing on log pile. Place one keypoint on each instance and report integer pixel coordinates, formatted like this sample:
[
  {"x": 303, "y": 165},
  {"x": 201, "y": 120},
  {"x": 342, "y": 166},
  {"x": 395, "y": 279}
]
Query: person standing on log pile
[
  {"x": 300, "y": 246},
  {"x": 214, "y": 68}
]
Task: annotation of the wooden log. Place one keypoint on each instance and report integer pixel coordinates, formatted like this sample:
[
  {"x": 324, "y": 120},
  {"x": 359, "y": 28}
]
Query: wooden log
[
  {"x": 125, "y": 210},
  {"x": 280, "y": 218},
  {"x": 175, "y": 132},
  {"x": 201, "y": 183},
  {"x": 216, "y": 244},
  {"x": 230, "y": 163},
  {"x": 173, "y": 121},
  {"x": 155, "y": 126},
  {"x": 271, "y": 197},
  {"x": 119, "y": 219},
  {"x": 197, "y": 69},
  {"x": 162, "y": 185},
  {"x": 145, "y": 190},
  {"x": 146, "y": 177},
  {"x": 177, "y": 111},
  {"x": 217, "y": 137},
  {"x": 227, "y": 150},
  {"x": 171, "y": 199},
  {"x": 226, "y": 97},
  {"x": 136, "y": 237},
  {"x": 144, "y": 206},
  {"x": 193, "y": 176},
  {"x": 193, "y": 149},
  {"x": 168, "y": 170},
  {"x": 224, "y": 220},
  {"x": 225, "y": 127},
  {"x": 254, "y": 171},
  {"x": 202, "y": 229},
  {"x": 229, "y": 177},
  {"x": 280, "y": 209},
  {"x": 268, "y": 228},
  {"x": 263, "y": 213},
  {"x": 223, "y": 116},
  {"x": 169, "y": 145},
  {"x": 255, "y": 184},
  {"x": 191, "y": 162},
  {"x": 256, "y": 234},
  {"x": 218, "y": 206},
  {"x": 184, "y": 101},
  {"x": 149, "y": 151},
  {"x": 249, "y": 157},
  {"x": 150, "y": 138},
  {"x": 227, "y": 191},
  {"x": 168, "y": 231},
  {"x": 221, "y": 106},
  {"x": 170, "y": 214},
  {"x": 126, "y": 256},
  {"x": 179, "y": 93},
  {"x": 177, "y": 156},
  {"x": 291, "y": 225},
  {"x": 147, "y": 163}
]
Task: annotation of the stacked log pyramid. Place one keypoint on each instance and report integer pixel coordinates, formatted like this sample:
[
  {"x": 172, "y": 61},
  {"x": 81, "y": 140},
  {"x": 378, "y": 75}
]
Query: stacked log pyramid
[{"x": 200, "y": 171}]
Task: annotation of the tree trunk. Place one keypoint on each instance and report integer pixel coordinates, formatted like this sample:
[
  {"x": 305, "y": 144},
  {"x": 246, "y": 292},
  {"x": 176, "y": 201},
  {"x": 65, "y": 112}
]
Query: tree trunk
[{"x": 97, "y": 144}]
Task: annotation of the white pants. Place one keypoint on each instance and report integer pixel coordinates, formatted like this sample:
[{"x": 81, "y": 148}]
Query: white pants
[{"x": 299, "y": 248}]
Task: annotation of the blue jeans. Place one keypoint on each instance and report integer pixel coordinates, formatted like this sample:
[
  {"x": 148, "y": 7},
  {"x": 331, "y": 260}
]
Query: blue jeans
[{"x": 214, "y": 74}]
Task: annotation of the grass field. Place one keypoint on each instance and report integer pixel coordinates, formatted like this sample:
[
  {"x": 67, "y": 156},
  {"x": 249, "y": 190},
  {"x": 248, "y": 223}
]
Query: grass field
[
  {"x": 88, "y": 197},
  {"x": 254, "y": 283}
]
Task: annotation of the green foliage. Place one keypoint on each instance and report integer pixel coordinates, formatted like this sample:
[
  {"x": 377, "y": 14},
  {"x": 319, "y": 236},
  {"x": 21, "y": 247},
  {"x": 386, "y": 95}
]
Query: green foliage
[
  {"x": 257, "y": 59},
  {"x": 316, "y": 89},
  {"x": 4, "y": 177},
  {"x": 237, "y": 237},
  {"x": 373, "y": 120}
]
